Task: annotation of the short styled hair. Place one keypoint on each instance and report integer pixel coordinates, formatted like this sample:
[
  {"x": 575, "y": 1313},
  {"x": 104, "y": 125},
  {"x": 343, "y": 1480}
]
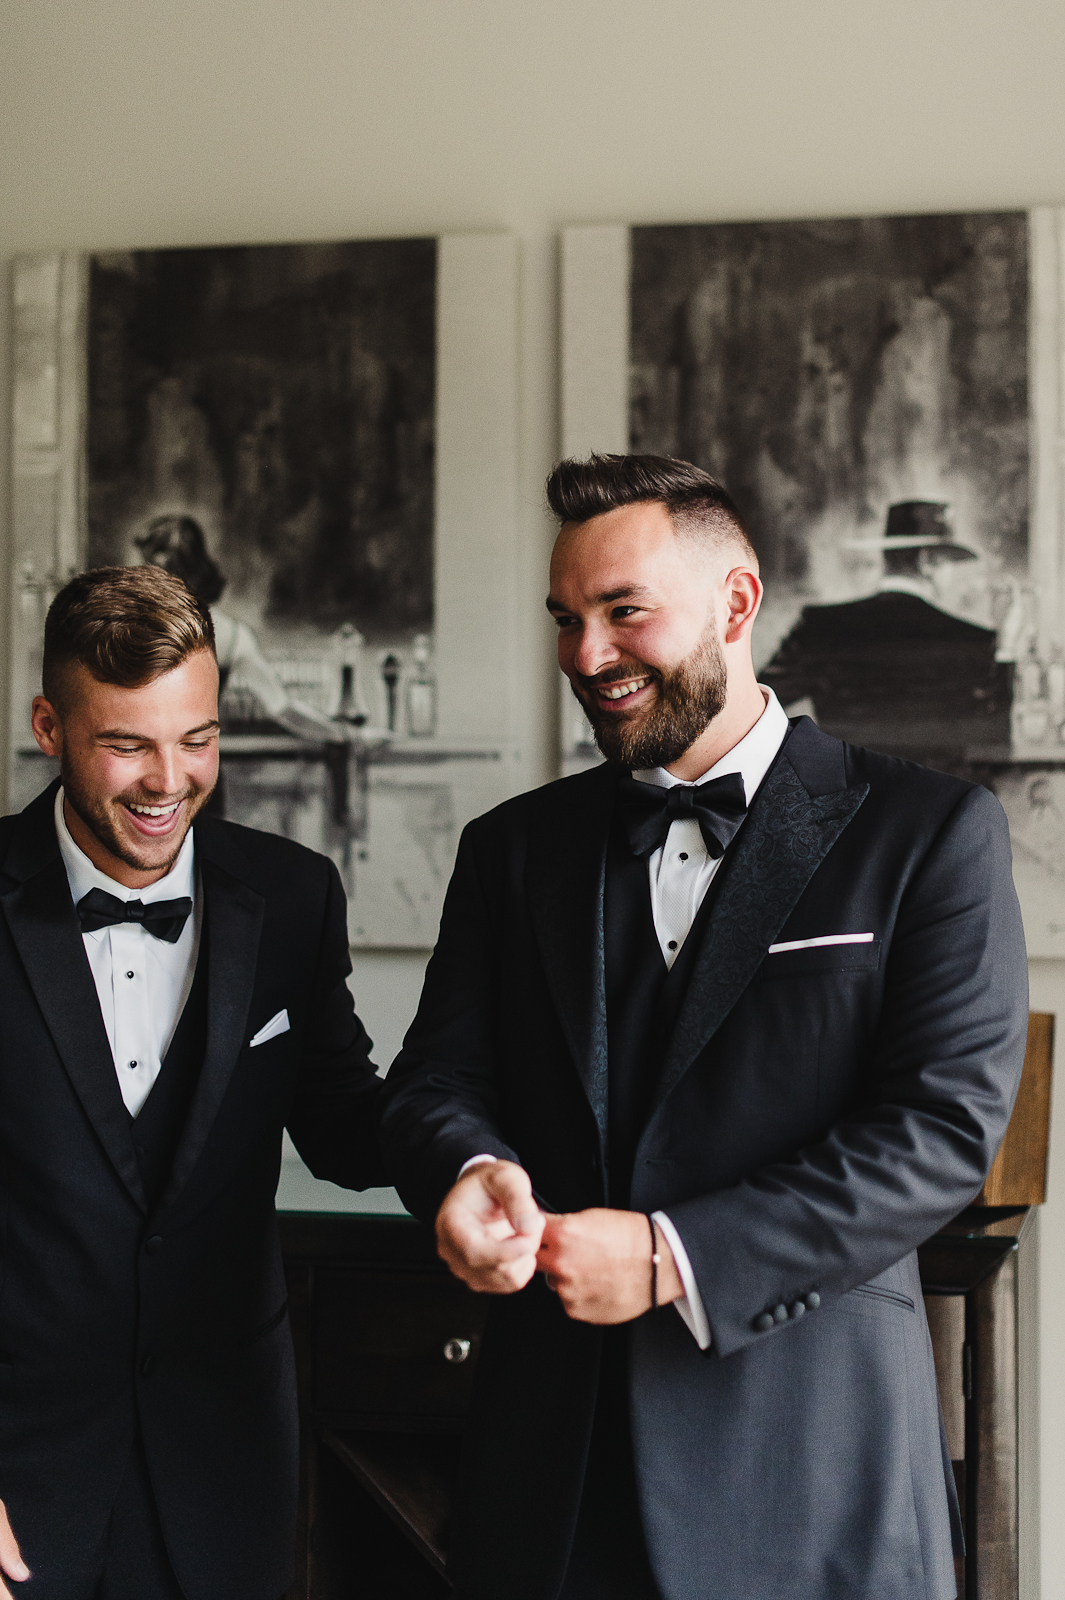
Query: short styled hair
[
  {"x": 125, "y": 625},
  {"x": 700, "y": 507}
]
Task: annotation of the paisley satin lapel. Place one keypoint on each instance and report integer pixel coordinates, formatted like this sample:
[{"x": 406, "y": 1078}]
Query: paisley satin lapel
[{"x": 785, "y": 838}]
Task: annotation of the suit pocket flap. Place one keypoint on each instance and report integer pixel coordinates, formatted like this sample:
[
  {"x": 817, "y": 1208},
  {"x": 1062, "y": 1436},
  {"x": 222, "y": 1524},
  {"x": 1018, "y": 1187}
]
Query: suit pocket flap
[{"x": 822, "y": 958}]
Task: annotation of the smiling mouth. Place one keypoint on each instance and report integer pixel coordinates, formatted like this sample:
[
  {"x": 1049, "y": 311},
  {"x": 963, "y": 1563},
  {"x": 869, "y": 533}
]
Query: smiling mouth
[
  {"x": 621, "y": 692},
  {"x": 152, "y": 821}
]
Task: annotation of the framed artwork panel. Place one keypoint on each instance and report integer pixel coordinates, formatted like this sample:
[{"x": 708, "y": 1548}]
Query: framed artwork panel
[
  {"x": 883, "y": 398},
  {"x": 322, "y": 440}
]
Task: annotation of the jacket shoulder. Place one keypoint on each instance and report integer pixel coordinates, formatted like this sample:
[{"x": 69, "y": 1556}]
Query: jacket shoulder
[
  {"x": 268, "y": 860},
  {"x": 825, "y": 764},
  {"x": 903, "y": 793},
  {"x": 892, "y": 772},
  {"x": 558, "y": 797}
]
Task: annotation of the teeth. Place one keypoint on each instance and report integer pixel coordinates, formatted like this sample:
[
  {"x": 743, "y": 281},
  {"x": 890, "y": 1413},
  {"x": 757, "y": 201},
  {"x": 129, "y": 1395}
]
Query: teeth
[
  {"x": 618, "y": 691},
  {"x": 154, "y": 811}
]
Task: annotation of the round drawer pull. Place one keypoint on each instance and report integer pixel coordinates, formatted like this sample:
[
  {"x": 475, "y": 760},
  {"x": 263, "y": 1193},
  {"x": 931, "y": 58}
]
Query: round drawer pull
[{"x": 456, "y": 1350}]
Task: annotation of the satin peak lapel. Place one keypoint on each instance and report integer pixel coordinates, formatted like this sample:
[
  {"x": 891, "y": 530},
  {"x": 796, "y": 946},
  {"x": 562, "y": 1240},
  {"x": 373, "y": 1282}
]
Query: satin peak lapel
[
  {"x": 566, "y": 875},
  {"x": 45, "y": 929},
  {"x": 786, "y": 836},
  {"x": 233, "y": 917}
]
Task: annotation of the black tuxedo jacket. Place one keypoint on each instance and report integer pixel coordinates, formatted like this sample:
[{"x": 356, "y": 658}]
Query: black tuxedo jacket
[
  {"x": 111, "y": 1313},
  {"x": 819, "y": 1112}
]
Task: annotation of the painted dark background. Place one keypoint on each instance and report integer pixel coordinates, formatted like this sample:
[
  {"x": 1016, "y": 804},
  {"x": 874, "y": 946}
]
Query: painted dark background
[
  {"x": 284, "y": 395},
  {"x": 824, "y": 369}
]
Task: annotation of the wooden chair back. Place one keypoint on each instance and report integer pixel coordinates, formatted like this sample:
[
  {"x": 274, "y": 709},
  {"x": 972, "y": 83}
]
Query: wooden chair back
[{"x": 1019, "y": 1174}]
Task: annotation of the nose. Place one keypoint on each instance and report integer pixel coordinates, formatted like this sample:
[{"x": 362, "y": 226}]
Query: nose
[
  {"x": 592, "y": 651},
  {"x": 163, "y": 775}
]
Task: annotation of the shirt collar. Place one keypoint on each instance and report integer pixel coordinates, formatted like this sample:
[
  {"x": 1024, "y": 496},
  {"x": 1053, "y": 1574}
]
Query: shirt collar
[
  {"x": 83, "y": 876},
  {"x": 751, "y": 757}
]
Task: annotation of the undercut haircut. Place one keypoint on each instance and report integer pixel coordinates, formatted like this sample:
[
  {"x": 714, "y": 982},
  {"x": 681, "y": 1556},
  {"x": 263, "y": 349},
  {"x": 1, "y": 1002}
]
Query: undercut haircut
[
  {"x": 125, "y": 625},
  {"x": 701, "y": 508}
]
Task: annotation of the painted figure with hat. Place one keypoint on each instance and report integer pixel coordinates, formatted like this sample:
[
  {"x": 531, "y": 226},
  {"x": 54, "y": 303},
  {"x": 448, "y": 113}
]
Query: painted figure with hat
[{"x": 895, "y": 670}]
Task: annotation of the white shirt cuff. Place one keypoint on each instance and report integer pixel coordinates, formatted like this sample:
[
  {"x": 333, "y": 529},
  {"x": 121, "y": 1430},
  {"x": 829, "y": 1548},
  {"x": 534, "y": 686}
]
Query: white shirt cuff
[
  {"x": 474, "y": 1161},
  {"x": 690, "y": 1305}
]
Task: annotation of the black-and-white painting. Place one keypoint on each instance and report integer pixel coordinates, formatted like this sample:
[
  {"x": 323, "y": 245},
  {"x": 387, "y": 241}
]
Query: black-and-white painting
[
  {"x": 881, "y": 397},
  {"x": 320, "y": 439}
]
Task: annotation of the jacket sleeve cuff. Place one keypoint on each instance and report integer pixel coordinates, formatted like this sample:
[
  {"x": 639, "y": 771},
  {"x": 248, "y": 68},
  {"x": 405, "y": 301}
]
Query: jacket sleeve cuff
[{"x": 690, "y": 1305}]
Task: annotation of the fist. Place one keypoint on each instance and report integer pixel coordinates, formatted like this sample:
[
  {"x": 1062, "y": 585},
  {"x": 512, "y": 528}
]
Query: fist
[{"x": 489, "y": 1227}]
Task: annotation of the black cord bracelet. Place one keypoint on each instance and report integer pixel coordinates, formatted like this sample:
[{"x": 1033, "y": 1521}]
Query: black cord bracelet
[{"x": 655, "y": 1259}]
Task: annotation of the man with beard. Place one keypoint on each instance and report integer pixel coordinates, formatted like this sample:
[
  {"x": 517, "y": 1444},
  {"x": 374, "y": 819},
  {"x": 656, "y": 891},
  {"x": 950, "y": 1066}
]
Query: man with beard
[
  {"x": 174, "y": 996},
  {"x": 714, "y": 1036}
]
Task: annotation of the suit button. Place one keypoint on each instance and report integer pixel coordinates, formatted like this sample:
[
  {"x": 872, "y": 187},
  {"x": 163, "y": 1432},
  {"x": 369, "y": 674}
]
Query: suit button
[
  {"x": 153, "y": 1245},
  {"x": 813, "y": 1300},
  {"x": 763, "y": 1323},
  {"x": 147, "y": 1366},
  {"x": 798, "y": 1310},
  {"x": 780, "y": 1313}
]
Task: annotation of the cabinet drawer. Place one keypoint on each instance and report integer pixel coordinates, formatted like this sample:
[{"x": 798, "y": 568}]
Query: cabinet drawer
[{"x": 394, "y": 1348}]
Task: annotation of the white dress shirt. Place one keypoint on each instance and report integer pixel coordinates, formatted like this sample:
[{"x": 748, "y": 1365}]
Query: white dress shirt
[
  {"x": 142, "y": 982},
  {"x": 680, "y": 873},
  {"x": 682, "y": 869}
]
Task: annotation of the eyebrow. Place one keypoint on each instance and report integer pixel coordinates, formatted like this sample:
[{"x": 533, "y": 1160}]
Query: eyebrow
[
  {"x": 630, "y": 591},
  {"x": 142, "y": 738}
]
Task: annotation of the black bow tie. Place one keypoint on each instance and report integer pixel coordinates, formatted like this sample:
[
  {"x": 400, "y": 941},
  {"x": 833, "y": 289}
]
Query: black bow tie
[
  {"x": 164, "y": 918},
  {"x": 649, "y": 811}
]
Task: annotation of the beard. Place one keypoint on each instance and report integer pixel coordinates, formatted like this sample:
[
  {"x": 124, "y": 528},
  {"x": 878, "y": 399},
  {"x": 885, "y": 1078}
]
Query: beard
[
  {"x": 98, "y": 816},
  {"x": 687, "y": 700}
]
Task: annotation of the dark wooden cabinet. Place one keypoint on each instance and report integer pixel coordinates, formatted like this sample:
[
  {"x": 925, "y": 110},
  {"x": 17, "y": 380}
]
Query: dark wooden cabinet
[
  {"x": 387, "y": 1342},
  {"x": 386, "y": 1345}
]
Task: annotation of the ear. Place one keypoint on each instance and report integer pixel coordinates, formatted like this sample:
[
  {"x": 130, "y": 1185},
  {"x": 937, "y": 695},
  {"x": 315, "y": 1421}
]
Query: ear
[
  {"x": 743, "y": 594},
  {"x": 47, "y": 727}
]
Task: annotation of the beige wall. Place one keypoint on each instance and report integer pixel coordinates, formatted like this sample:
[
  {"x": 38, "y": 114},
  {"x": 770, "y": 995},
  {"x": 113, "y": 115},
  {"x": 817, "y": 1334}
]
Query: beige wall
[{"x": 152, "y": 122}]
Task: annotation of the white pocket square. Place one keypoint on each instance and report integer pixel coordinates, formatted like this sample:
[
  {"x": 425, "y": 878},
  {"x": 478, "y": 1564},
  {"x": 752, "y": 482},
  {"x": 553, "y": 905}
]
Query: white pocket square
[
  {"x": 271, "y": 1029},
  {"x": 816, "y": 944}
]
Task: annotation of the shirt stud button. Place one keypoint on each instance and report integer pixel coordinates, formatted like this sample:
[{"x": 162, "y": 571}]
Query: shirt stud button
[
  {"x": 132, "y": 1063},
  {"x": 129, "y": 974},
  {"x": 673, "y": 944},
  {"x": 684, "y": 855}
]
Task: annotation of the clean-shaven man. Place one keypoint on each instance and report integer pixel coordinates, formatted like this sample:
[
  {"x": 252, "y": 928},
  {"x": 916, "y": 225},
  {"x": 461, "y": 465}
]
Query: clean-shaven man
[
  {"x": 714, "y": 1036},
  {"x": 174, "y": 996}
]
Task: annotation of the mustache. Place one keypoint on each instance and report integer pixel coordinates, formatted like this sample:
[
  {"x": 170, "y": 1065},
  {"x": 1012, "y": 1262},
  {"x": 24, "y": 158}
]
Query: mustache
[{"x": 618, "y": 675}]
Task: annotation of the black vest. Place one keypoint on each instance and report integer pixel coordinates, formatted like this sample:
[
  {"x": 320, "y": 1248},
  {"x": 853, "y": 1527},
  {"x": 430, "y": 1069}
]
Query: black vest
[
  {"x": 160, "y": 1122},
  {"x": 642, "y": 1002}
]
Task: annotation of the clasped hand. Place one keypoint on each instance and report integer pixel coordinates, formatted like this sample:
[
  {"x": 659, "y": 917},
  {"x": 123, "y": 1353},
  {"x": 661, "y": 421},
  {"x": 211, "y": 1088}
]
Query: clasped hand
[
  {"x": 11, "y": 1562},
  {"x": 494, "y": 1236}
]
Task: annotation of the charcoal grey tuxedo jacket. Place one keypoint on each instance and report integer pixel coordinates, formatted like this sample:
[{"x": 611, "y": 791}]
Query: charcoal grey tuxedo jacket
[
  {"x": 819, "y": 1112},
  {"x": 117, "y": 1315}
]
